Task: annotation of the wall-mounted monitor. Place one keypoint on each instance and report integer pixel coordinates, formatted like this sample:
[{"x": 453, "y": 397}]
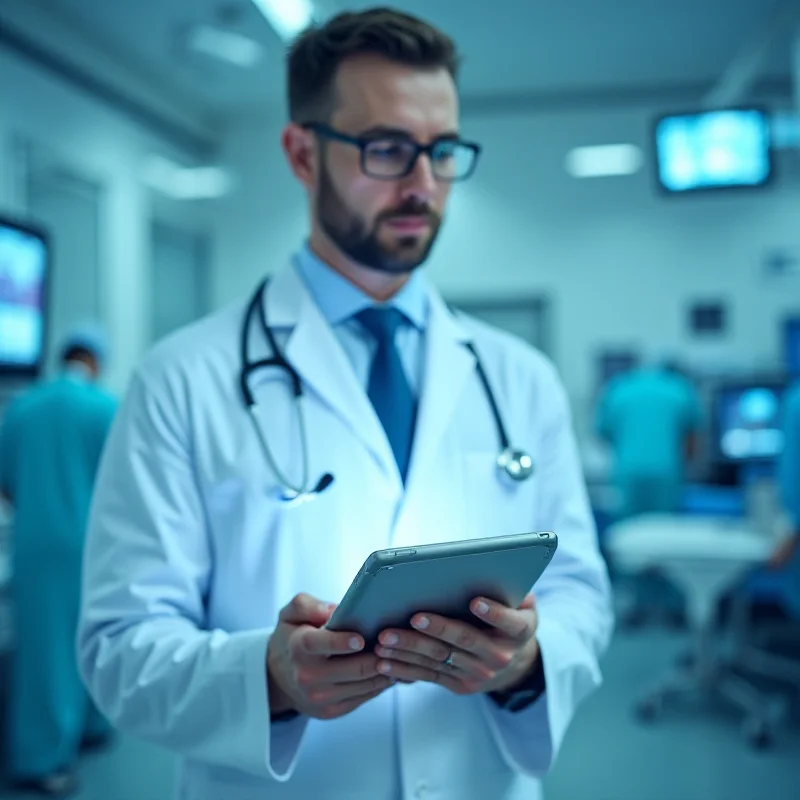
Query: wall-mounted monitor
[
  {"x": 709, "y": 150},
  {"x": 747, "y": 421},
  {"x": 24, "y": 278}
]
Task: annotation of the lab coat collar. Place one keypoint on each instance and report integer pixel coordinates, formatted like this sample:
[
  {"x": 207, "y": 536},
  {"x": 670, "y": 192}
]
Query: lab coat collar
[
  {"x": 315, "y": 353},
  {"x": 448, "y": 367},
  {"x": 313, "y": 350}
]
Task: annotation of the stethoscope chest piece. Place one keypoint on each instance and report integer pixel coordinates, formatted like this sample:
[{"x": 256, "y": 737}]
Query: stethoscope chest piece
[{"x": 517, "y": 464}]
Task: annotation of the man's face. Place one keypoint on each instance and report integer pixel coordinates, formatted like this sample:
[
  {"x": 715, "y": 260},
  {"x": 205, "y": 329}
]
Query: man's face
[{"x": 386, "y": 225}]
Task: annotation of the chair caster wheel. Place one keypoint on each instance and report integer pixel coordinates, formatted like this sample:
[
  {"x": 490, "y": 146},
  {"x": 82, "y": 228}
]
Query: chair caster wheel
[
  {"x": 758, "y": 735},
  {"x": 648, "y": 710}
]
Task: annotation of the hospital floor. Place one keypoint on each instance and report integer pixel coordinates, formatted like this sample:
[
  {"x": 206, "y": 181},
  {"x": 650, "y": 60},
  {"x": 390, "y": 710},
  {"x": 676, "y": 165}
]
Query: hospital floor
[{"x": 607, "y": 754}]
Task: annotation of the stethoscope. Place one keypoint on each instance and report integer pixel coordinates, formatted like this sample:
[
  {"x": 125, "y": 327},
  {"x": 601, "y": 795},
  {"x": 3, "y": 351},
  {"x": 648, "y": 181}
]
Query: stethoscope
[{"x": 516, "y": 464}]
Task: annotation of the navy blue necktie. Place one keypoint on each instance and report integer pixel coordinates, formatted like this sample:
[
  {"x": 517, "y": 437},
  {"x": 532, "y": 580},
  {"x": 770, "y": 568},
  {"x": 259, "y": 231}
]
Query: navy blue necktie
[{"x": 388, "y": 388}]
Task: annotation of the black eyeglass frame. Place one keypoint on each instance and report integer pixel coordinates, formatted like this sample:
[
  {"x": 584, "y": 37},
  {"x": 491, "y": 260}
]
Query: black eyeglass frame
[{"x": 362, "y": 142}]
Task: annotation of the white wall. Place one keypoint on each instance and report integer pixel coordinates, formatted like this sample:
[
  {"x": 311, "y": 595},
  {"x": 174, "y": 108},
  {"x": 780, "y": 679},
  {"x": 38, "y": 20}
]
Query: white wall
[
  {"x": 108, "y": 148},
  {"x": 617, "y": 259}
]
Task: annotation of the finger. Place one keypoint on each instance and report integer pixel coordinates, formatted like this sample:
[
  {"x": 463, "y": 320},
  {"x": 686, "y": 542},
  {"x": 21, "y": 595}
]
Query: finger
[
  {"x": 347, "y": 706},
  {"x": 528, "y": 602},
  {"x": 351, "y": 669},
  {"x": 304, "y": 609},
  {"x": 339, "y": 693},
  {"x": 463, "y": 636},
  {"x": 413, "y": 642},
  {"x": 342, "y": 669},
  {"x": 460, "y": 663},
  {"x": 411, "y": 673},
  {"x": 320, "y": 642},
  {"x": 517, "y": 624}
]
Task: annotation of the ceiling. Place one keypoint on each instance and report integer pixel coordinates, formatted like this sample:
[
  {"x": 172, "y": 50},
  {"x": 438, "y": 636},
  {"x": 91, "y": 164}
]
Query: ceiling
[{"x": 512, "y": 48}]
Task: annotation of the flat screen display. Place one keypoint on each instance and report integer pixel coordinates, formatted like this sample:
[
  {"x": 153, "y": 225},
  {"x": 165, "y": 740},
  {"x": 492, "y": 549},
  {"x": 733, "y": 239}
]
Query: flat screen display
[
  {"x": 713, "y": 150},
  {"x": 749, "y": 422},
  {"x": 24, "y": 268}
]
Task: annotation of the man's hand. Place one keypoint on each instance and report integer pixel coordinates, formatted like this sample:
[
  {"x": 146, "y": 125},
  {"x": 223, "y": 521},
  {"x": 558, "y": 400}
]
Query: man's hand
[
  {"x": 317, "y": 672},
  {"x": 480, "y": 661},
  {"x": 320, "y": 673}
]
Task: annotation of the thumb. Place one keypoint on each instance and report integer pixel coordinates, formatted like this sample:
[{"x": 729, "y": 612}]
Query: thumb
[{"x": 304, "y": 609}]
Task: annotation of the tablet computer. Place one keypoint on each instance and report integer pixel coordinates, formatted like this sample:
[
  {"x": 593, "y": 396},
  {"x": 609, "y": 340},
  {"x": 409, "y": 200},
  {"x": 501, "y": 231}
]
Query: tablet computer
[{"x": 396, "y": 583}]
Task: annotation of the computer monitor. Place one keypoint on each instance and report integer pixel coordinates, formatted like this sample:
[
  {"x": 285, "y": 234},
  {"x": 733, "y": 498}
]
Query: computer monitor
[
  {"x": 747, "y": 421},
  {"x": 707, "y": 150},
  {"x": 791, "y": 347},
  {"x": 24, "y": 277}
]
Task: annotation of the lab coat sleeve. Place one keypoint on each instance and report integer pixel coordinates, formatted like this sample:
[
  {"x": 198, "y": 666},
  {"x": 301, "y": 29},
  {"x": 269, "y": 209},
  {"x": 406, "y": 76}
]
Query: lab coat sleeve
[
  {"x": 574, "y": 605},
  {"x": 789, "y": 466},
  {"x": 144, "y": 652}
]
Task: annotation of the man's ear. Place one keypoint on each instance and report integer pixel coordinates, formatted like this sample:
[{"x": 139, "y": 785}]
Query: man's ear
[{"x": 301, "y": 153}]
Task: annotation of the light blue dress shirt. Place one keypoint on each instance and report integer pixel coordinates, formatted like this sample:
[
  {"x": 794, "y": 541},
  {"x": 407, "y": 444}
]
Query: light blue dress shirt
[{"x": 339, "y": 300}]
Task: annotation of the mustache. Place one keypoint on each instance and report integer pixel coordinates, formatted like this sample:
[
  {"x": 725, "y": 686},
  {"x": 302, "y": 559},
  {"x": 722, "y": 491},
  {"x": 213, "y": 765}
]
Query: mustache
[{"x": 412, "y": 208}]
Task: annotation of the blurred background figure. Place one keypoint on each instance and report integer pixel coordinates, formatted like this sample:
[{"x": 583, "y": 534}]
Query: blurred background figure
[
  {"x": 50, "y": 446},
  {"x": 651, "y": 417}
]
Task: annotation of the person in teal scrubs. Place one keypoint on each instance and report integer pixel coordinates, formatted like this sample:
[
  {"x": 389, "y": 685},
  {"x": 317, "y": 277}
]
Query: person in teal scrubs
[
  {"x": 50, "y": 445},
  {"x": 650, "y": 417}
]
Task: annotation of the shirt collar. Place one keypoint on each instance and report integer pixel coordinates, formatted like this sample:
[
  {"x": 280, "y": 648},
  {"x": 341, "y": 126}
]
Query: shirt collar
[{"x": 339, "y": 300}]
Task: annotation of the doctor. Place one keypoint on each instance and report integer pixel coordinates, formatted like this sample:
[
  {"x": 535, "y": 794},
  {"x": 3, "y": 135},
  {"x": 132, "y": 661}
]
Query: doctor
[{"x": 263, "y": 453}]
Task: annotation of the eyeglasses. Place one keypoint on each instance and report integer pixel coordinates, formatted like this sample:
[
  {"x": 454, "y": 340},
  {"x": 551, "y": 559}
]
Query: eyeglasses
[{"x": 389, "y": 157}]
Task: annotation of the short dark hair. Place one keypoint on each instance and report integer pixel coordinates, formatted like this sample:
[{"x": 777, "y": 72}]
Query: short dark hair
[
  {"x": 77, "y": 353},
  {"x": 315, "y": 56}
]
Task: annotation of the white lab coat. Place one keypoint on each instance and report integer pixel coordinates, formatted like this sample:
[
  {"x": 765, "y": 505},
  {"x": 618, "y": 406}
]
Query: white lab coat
[{"x": 190, "y": 557}]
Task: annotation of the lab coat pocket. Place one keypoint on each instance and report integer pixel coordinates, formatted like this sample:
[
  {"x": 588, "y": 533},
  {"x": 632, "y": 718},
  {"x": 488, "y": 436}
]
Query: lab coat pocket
[{"x": 496, "y": 505}]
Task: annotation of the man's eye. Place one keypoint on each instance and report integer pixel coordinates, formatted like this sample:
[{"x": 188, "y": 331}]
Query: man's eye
[
  {"x": 446, "y": 150},
  {"x": 389, "y": 150}
]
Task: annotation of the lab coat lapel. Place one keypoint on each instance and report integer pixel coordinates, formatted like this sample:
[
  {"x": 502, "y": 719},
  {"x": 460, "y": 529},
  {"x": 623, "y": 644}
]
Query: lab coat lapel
[
  {"x": 313, "y": 350},
  {"x": 448, "y": 367}
]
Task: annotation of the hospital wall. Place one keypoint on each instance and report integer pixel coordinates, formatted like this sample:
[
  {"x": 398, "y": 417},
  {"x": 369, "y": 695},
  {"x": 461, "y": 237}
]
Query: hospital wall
[
  {"x": 83, "y": 135},
  {"x": 618, "y": 261}
]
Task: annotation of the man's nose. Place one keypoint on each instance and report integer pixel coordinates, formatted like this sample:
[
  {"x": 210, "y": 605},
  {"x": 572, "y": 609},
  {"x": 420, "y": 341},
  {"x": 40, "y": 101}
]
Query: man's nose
[{"x": 420, "y": 183}]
